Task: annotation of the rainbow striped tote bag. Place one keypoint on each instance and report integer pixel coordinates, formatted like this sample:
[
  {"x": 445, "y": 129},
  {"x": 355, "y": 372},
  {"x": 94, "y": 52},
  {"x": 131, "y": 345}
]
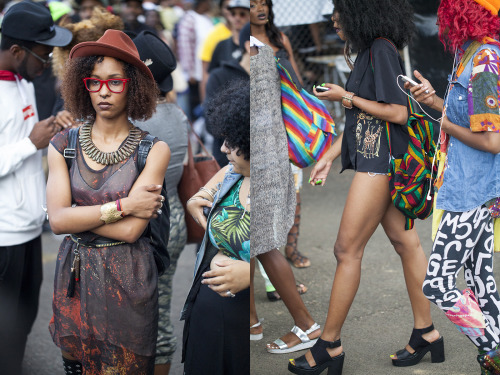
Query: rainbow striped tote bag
[{"x": 310, "y": 128}]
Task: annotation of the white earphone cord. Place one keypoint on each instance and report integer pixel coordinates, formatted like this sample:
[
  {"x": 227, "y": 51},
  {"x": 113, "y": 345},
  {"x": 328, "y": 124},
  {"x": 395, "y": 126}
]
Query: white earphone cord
[{"x": 440, "y": 120}]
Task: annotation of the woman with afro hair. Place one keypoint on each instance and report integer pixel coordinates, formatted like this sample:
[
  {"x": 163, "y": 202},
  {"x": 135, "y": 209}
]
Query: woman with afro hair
[
  {"x": 469, "y": 186},
  {"x": 374, "y": 30},
  {"x": 216, "y": 308},
  {"x": 105, "y": 303}
]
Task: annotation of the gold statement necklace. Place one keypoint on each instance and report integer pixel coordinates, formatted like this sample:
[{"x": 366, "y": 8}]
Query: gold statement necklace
[{"x": 108, "y": 158}]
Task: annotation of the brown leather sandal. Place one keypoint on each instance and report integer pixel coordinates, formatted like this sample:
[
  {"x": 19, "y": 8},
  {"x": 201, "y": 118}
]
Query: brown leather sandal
[
  {"x": 291, "y": 252},
  {"x": 295, "y": 256}
]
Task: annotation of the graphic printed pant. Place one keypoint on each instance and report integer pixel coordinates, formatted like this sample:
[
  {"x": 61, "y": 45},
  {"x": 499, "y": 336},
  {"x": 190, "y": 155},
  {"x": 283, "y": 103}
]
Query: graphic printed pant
[{"x": 465, "y": 240}]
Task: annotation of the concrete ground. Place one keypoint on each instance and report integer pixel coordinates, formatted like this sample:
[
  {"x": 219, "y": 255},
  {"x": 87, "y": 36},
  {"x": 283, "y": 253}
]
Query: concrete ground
[
  {"x": 379, "y": 322},
  {"x": 380, "y": 319}
]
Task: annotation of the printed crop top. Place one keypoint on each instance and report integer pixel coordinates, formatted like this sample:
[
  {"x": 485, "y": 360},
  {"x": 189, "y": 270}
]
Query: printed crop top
[{"x": 229, "y": 227}]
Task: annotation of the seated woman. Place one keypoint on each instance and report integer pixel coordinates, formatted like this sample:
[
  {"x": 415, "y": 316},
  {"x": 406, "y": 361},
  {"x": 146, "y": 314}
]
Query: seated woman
[
  {"x": 105, "y": 288},
  {"x": 216, "y": 329}
]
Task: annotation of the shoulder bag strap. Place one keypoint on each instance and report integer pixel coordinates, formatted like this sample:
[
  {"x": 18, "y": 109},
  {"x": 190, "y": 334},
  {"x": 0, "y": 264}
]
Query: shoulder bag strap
[
  {"x": 142, "y": 154},
  {"x": 69, "y": 152},
  {"x": 198, "y": 139}
]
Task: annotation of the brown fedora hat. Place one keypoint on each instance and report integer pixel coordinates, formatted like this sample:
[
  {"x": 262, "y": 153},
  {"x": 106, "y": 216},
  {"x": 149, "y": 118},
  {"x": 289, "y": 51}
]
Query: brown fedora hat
[{"x": 114, "y": 43}]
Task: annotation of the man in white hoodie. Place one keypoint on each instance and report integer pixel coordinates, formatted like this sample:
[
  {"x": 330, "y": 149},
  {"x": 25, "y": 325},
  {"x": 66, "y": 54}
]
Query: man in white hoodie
[{"x": 28, "y": 36}]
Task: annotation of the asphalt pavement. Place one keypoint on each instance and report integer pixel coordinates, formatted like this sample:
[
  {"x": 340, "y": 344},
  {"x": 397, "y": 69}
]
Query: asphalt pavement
[
  {"x": 380, "y": 319},
  {"x": 378, "y": 324}
]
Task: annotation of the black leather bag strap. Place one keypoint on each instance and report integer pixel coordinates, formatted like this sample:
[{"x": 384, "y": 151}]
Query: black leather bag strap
[
  {"x": 142, "y": 154},
  {"x": 69, "y": 152}
]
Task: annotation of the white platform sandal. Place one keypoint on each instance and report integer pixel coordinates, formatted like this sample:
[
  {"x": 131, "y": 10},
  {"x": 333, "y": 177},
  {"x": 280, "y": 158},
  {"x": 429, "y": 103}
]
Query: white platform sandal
[
  {"x": 305, "y": 343},
  {"x": 256, "y": 336}
]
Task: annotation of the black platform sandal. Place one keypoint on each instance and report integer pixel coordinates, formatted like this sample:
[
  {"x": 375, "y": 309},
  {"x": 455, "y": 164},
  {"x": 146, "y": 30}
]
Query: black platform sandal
[
  {"x": 421, "y": 347},
  {"x": 323, "y": 360}
]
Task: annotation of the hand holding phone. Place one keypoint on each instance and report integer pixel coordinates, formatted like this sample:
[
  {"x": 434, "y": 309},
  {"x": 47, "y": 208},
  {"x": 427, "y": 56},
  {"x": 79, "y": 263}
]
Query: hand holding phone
[
  {"x": 411, "y": 82},
  {"x": 322, "y": 88}
]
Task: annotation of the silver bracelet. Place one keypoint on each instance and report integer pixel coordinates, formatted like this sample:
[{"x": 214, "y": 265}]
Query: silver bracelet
[
  {"x": 208, "y": 191},
  {"x": 196, "y": 198}
]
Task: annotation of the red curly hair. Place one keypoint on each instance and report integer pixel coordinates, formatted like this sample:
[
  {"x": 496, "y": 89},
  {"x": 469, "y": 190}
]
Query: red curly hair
[{"x": 462, "y": 20}]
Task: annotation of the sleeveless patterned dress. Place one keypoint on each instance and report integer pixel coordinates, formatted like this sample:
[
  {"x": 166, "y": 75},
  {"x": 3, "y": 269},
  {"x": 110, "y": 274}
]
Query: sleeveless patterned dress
[{"x": 110, "y": 324}]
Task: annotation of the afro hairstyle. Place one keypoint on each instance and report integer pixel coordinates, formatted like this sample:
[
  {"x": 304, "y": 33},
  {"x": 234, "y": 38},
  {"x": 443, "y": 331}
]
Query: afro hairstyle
[
  {"x": 228, "y": 116},
  {"x": 363, "y": 21}
]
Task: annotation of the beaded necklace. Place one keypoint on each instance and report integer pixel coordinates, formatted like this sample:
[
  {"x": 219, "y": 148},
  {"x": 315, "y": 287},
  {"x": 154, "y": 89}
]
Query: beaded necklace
[{"x": 107, "y": 158}]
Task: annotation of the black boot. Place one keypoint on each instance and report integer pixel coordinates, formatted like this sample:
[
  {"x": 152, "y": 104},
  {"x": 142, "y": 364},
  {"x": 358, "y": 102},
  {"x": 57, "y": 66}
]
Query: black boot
[{"x": 72, "y": 367}]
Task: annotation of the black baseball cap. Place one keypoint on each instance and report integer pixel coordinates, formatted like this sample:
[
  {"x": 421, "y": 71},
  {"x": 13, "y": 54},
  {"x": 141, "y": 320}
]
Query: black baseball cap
[{"x": 32, "y": 22}]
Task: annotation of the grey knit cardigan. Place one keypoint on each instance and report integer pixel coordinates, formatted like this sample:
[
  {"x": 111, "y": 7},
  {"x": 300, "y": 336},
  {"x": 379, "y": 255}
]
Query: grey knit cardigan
[{"x": 272, "y": 187}]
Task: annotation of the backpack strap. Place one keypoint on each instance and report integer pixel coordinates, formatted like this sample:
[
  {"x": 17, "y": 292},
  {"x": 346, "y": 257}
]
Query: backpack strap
[
  {"x": 69, "y": 152},
  {"x": 410, "y": 106},
  {"x": 142, "y": 154}
]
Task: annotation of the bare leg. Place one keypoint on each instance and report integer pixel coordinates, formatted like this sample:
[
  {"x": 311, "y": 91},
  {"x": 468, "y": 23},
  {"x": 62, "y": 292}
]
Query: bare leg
[
  {"x": 315, "y": 34},
  {"x": 254, "y": 319},
  {"x": 407, "y": 245},
  {"x": 367, "y": 202},
  {"x": 162, "y": 369},
  {"x": 68, "y": 355},
  {"x": 280, "y": 273}
]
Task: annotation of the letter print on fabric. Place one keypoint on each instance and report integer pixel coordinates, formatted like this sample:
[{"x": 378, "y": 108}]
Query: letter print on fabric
[{"x": 465, "y": 240}]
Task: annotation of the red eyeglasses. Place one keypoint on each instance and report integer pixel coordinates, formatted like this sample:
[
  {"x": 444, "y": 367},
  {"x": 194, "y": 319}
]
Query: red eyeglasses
[{"x": 116, "y": 85}]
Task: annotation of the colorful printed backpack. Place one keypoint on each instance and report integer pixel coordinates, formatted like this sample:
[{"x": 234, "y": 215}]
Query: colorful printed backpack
[
  {"x": 410, "y": 176},
  {"x": 310, "y": 128}
]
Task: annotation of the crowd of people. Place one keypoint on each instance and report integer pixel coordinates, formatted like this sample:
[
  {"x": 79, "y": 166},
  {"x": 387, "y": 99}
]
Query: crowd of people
[{"x": 99, "y": 100}]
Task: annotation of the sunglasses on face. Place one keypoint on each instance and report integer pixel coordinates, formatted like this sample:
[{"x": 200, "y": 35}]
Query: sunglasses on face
[
  {"x": 116, "y": 85},
  {"x": 45, "y": 62}
]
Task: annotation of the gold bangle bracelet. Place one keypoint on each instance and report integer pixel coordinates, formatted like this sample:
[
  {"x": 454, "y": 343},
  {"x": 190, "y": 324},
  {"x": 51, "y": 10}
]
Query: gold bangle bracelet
[
  {"x": 110, "y": 213},
  {"x": 348, "y": 97}
]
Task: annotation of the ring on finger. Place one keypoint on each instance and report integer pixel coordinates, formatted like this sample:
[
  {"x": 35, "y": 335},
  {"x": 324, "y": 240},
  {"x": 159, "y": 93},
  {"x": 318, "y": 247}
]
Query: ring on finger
[
  {"x": 229, "y": 294},
  {"x": 159, "y": 211}
]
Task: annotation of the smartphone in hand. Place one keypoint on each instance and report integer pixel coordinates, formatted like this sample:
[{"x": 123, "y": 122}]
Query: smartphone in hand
[
  {"x": 322, "y": 88},
  {"x": 412, "y": 82}
]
